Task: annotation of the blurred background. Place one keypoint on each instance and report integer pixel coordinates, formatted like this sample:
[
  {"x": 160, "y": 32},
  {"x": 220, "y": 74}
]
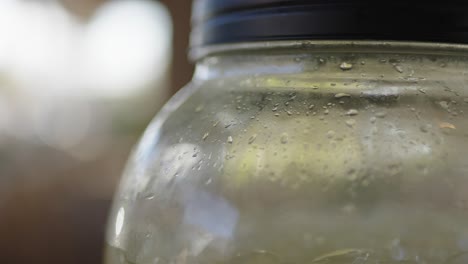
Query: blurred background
[{"x": 79, "y": 82}]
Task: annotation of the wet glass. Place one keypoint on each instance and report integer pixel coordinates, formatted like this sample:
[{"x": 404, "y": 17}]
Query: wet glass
[{"x": 304, "y": 152}]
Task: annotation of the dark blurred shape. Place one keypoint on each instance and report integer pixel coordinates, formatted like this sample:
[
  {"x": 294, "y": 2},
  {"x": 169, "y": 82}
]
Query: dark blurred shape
[
  {"x": 181, "y": 68},
  {"x": 62, "y": 151}
]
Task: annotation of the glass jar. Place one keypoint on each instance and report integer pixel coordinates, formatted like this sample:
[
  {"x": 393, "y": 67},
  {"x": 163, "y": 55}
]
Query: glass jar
[
  {"x": 328, "y": 152},
  {"x": 313, "y": 132}
]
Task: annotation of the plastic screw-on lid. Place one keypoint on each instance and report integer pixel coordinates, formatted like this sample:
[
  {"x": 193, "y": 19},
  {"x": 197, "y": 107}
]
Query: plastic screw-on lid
[{"x": 233, "y": 21}]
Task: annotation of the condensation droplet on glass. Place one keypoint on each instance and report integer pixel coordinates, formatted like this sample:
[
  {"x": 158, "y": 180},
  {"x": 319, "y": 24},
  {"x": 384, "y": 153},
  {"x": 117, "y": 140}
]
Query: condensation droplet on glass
[
  {"x": 149, "y": 196},
  {"x": 341, "y": 95},
  {"x": 205, "y": 136},
  {"x": 444, "y": 105},
  {"x": 284, "y": 138},
  {"x": 350, "y": 122},
  {"x": 447, "y": 125},
  {"x": 346, "y": 66},
  {"x": 349, "y": 208},
  {"x": 330, "y": 134},
  {"x": 352, "y": 112},
  {"x": 326, "y": 111},
  {"x": 199, "y": 108},
  {"x": 230, "y": 140},
  {"x": 381, "y": 114},
  {"x": 398, "y": 68},
  {"x": 425, "y": 128},
  {"x": 252, "y": 138}
]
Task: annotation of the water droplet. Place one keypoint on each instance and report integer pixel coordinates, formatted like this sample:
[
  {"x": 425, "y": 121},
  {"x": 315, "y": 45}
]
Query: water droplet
[
  {"x": 216, "y": 123},
  {"x": 447, "y": 125},
  {"x": 288, "y": 112},
  {"x": 252, "y": 138},
  {"x": 326, "y": 111},
  {"x": 350, "y": 256},
  {"x": 330, "y": 134},
  {"x": 341, "y": 95},
  {"x": 421, "y": 90},
  {"x": 199, "y": 108},
  {"x": 205, "y": 136},
  {"x": 149, "y": 196},
  {"x": 274, "y": 109},
  {"x": 229, "y": 140},
  {"x": 276, "y": 114},
  {"x": 425, "y": 128},
  {"x": 349, "y": 208},
  {"x": 350, "y": 122},
  {"x": 352, "y": 112},
  {"x": 444, "y": 105},
  {"x": 465, "y": 100},
  {"x": 363, "y": 62},
  {"x": 284, "y": 138},
  {"x": 381, "y": 114},
  {"x": 398, "y": 68},
  {"x": 346, "y": 66},
  {"x": 373, "y": 119},
  {"x": 321, "y": 60}
]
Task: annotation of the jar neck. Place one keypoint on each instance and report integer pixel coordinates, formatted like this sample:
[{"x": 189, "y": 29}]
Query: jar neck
[{"x": 320, "y": 57}]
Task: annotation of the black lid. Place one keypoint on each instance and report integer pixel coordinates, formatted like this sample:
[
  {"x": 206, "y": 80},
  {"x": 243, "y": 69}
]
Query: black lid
[{"x": 232, "y": 21}]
